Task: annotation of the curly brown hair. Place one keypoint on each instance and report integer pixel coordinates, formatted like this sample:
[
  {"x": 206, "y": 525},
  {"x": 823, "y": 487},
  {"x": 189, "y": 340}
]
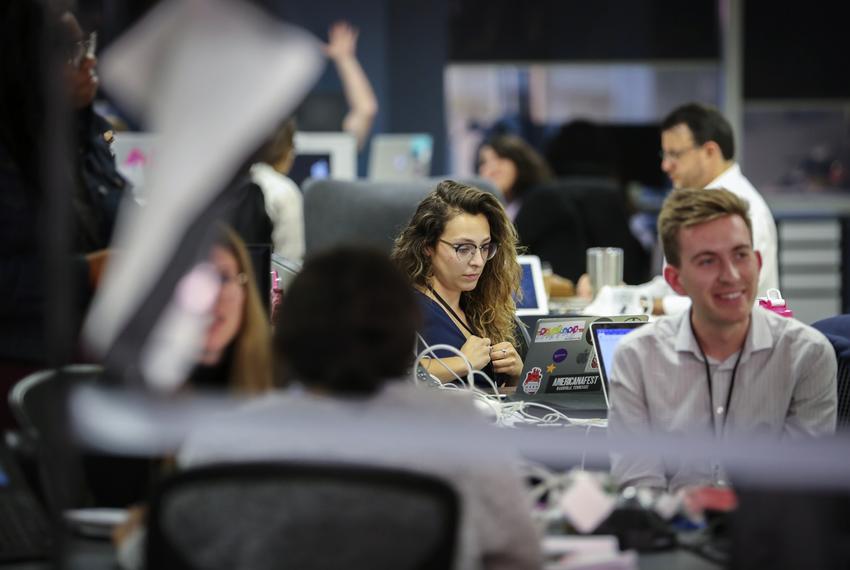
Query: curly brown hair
[{"x": 490, "y": 307}]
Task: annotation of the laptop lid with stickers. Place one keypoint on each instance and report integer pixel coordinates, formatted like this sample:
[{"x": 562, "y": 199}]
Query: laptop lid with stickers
[
  {"x": 606, "y": 337},
  {"x": 561, "y": 369}
]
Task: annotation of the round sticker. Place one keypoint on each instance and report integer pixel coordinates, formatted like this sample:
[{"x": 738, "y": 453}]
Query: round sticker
[{"x": 560, "y": 355}]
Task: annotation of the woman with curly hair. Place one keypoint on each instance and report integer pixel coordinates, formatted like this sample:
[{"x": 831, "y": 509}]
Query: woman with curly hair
[{"x": 459, "y": 250}]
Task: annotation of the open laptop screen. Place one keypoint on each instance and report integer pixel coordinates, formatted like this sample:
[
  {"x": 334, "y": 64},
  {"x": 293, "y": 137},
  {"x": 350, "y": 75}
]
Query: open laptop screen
[
  {"x": 314, "y": 165},
  {"x": 534, "y": 301},
  {"x": 606, "y": 338}
]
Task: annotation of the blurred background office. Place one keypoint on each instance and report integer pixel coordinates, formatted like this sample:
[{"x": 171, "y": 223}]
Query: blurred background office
[{"x": 460, "y": 71}]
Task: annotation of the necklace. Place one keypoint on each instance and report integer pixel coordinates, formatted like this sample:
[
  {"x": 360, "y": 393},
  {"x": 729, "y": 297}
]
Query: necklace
[
  {"x": 450, "y": 310},
  {"x": 725, "y": 411}
]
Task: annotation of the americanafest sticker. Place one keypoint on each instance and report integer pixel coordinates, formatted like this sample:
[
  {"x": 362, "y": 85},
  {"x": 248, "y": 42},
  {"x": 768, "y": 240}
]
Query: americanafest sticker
[
  {"x": 574, "y": 383},
  {"x": 560, "y": 331}
]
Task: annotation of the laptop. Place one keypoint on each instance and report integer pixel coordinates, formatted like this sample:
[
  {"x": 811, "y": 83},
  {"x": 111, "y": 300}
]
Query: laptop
[
  {"x": 534, "y": 300},
  {"x": 606, "y": 337},
  {"x": 25, "y": 533},
  {"x": 561, "y": 370},
  {"x": 400, "y": 157}
]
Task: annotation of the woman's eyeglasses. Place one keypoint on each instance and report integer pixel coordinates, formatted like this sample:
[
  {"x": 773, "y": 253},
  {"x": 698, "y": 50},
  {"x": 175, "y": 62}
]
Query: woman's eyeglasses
[
  {"x": 83, "y": 49},
  {"x": 465, "y": 251},
  {"x": 239, "y": 279}
]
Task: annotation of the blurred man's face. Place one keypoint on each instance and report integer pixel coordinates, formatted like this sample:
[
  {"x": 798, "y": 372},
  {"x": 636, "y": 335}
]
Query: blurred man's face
[{"x": 684, "y": 161}]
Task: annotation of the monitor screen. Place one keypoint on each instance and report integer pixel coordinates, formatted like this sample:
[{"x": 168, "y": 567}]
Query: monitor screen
[
  {"x": 606, "y": 338},
  {"x": 324, "y": 155},
  {"x": 533, "y": 301},
  {"x": 312, "y": 165}
]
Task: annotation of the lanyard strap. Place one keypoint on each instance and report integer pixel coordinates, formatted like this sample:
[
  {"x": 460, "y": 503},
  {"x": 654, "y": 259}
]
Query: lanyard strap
[
  {"x": 710, "y": 388},
  {"x": 451, "y": 312}
]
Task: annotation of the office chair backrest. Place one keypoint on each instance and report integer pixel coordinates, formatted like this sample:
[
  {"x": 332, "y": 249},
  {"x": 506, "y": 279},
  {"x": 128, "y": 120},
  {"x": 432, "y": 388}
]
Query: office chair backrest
[
  {"x": 837, "y": 331},
  {"x": 523, "y": 337},
  {"x": 338, "y": 212},
  {"x": 38, "y": 403},
  {"x": 604, "y": 210},
  {"x": 281, "y": 515}
]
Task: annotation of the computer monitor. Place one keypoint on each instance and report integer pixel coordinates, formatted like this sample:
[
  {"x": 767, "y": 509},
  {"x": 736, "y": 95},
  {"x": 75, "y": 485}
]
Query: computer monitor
[
  {"x": 400, "y": 157},
  {"x": 606, "y": 337},
  {"x": 324, "y": 155},
  {"x": 134, "y": 153},
  {"x": 534, "y": 300}
]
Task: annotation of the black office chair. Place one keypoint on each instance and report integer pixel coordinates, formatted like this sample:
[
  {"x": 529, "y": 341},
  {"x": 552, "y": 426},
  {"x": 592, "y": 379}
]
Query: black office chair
[
  {"x": 603, "y": 209},
  {"x": 837, "y": 331},
  {"x": 523, "y": 337},
  {"x": 70, "y": 477},
  {"x": 38, "y": 403},
  {"x": 551, "y": 227},
  {"x": 280, "y": 515}
]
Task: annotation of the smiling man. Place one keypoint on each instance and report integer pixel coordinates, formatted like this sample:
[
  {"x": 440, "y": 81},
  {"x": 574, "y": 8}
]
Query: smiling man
[{"x": 724, "y": 367}]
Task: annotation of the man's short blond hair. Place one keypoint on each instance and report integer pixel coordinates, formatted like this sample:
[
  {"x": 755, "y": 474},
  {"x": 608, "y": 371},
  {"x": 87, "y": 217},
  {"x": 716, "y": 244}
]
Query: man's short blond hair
[{"x": 688, "y": 207}]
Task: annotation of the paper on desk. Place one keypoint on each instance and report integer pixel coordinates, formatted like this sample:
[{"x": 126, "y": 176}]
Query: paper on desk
[
  {"x": 588, "y": 545},
  {"x": 585, "y": 504},
  {"x": 627, "y": 299},
  {"x": 627, "y": 560}
]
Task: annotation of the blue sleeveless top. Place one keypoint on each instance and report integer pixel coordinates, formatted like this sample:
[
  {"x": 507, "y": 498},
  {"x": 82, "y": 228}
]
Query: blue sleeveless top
[{"x": 439, "y": 328}]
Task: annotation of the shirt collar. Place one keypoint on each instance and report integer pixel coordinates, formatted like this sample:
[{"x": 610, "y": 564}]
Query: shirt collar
[
  {"x": 722, "y": 181},
  {"x": 759, "y": 336}
]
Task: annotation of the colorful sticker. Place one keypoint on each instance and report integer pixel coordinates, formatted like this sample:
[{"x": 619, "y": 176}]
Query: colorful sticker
[
  {"x": 574, "y": 383},
  {"x": 531, "y": 384},
  {"x": 560, "y": 355},
  {"x": 551, "y": 368},
  {"x": 560, "y": 331}
]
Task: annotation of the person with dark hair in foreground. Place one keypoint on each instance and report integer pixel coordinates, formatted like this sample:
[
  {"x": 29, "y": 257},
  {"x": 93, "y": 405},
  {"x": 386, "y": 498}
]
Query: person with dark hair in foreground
[{"x": 345, "y": 343}]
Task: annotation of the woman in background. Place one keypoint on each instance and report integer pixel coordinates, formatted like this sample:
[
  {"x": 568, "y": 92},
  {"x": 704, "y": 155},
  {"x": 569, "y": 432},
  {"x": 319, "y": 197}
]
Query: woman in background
[
  {"x": 546, "y": 217},
  {"x": 514, "y": 168},
  {"x": 283, "y": 201},
  {"x": 237, "y": 350},
  {"x": 459, "y": 251}
]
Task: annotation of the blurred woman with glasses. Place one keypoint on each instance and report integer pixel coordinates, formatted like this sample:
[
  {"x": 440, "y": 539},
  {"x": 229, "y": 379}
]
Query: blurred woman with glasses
[
  {"x": 236, "y": 354},
  {"x": 459, "y": 250}
]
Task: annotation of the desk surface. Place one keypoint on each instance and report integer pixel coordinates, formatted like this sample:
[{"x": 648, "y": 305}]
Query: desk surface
[{"x": 87, "y": 554}]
